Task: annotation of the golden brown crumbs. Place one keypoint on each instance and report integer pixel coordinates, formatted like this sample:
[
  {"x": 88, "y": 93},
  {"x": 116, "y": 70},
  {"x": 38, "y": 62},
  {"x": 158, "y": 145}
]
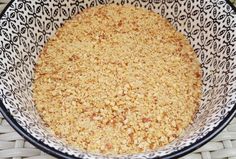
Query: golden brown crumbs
[{"x": 116, "y": 80}]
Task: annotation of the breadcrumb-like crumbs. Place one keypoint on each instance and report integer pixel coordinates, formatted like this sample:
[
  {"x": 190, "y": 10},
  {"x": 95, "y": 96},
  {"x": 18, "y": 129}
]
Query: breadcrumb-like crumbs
[{"x": 117, "y": 80}]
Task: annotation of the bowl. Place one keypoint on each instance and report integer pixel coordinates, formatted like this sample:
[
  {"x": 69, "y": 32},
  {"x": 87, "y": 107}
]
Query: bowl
[{"x": 210, "y": 26}]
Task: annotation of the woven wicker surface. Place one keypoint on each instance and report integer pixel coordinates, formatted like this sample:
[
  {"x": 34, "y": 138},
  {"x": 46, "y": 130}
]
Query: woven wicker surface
[{"x": 13, "y": 146}]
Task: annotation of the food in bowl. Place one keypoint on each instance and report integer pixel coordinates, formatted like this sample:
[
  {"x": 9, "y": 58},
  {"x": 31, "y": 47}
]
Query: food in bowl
[{"x": 117, "y": 80}]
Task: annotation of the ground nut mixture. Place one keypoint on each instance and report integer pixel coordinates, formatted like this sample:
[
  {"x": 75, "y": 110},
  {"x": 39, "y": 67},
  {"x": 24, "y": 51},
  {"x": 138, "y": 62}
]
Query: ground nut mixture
[{"x": 117, "y": 80}]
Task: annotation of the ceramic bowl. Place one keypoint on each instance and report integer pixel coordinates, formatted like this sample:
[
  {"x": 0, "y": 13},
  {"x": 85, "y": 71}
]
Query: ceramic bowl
[{"x": 209, "y": 25}]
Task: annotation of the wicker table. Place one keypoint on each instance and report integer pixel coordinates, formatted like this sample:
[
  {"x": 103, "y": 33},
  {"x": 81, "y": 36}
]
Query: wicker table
[{"x": 13, "y": 146}]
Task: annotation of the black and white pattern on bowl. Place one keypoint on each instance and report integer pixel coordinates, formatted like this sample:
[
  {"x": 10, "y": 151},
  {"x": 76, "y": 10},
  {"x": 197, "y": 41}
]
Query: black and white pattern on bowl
[{"x": 209, "y": 25}]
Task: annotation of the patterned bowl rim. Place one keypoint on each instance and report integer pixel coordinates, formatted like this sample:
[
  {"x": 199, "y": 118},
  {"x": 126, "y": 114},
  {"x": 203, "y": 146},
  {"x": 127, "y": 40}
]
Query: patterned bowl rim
[{"x": 42, "y": 146}]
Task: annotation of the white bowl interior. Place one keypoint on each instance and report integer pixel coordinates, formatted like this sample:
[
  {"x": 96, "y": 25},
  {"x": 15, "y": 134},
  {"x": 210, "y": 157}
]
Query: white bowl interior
[{"x": 209, "y": 25}]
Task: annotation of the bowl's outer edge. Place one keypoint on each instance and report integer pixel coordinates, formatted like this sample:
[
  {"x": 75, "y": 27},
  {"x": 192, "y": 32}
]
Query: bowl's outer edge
[
  {"x": 232, "y": 5},
  {"x": 59, "y": 154}
]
